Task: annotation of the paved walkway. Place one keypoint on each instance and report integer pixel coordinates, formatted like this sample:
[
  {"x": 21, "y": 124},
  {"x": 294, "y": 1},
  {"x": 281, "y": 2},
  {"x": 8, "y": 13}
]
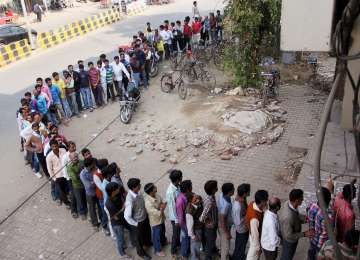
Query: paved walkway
[{"x": 43, "y": 230}]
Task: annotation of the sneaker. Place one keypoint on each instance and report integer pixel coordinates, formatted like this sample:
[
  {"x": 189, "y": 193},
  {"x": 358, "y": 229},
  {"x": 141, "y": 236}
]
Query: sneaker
[
  {"x": 38, "y": 174},
  {"x": 106, "y": 231},
  {"x": 91, "y": 109},
  {"x": 74, "y": 215},
  {"x": 125, "y": 257},
  {"x": 96, "y": 228},
  {"x": 160, "y": 254},
  {"x": 146, "y": 257}
]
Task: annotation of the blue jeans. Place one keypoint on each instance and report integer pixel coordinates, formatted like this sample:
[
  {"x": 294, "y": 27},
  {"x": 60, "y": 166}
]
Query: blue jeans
[
  {"x": 52, "y": 117},
  {"x": 66, "y": 107},
  {"x": 288, "y": 250},
  {"x": 119, "y": 234},
  {"x": 35, "y": 163},
  {"x": 184, "y": 243},
  {"x": 103, "y": 218},
  {"x": 158, "y": 236},
  {"x": 86, "y": 96},
  {"x": 137, "y": 77},
  {"x": 196, "y": 244}
]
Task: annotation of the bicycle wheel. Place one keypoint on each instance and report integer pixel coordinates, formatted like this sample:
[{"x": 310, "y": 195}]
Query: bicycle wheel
[
  {"x": 166, "y": 83},
  {"x": 189, "y": 74},
  {"x": 182, "y": 89},
  {"x": 209, "y": 79}
]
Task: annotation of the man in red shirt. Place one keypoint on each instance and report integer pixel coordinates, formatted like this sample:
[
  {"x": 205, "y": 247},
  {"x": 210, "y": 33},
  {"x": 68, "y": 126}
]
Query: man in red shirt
[
  {"x": 196, "y": 29},
  {"x": 94, "y": 75},
  {"x": 187, "y": 33},
  {"x": 344, "y": 214}
]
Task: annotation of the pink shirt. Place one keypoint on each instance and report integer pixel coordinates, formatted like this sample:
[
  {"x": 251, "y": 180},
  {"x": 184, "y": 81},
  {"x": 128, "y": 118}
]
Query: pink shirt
[
  {"x": 344, "y": 216},
  {"x": 45, "y": 89}
]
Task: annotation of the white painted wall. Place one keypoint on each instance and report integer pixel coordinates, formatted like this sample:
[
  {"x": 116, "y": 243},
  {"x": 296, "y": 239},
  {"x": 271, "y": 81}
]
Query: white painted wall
[{"x": 306, "y": 25}]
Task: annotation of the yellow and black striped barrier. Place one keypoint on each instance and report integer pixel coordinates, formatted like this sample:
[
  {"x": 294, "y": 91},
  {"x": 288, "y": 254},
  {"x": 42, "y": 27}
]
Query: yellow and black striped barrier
[
  {"x": 14, "y": 51},
  {"x": 18, "y": 50},
  {"x": 52, "y": 38}
]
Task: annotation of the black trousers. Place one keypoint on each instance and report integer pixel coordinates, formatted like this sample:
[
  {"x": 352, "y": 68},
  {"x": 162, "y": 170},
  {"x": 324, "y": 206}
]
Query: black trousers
[
  {"x": 125, "y": 82},
  {"x": 78, "y": 99},
  {"x": 270, "y": 255},
  {"x": 210, "y": 242},
  {"x": 42, "y": 159},
  {"x": 94, "y": 209},
  {"x": 167, "y": 51},
  {"x": 187, "y": 41},
  {"x": 61, "y": 187},
  {"x": 111, "y": 92},
  {"x": 241, "y": 240},
  {"x": 142, "y": 235},
  {"x": 175, "y": 239}
]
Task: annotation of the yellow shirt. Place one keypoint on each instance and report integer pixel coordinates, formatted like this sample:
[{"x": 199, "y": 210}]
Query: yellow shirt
[
  {"x": 152, "y": 206},
  {"x": 61, "y": 84}
]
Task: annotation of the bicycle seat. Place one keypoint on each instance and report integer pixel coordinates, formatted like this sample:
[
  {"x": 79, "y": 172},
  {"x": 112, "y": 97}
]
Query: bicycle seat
[{"x": 312, "y": 60}]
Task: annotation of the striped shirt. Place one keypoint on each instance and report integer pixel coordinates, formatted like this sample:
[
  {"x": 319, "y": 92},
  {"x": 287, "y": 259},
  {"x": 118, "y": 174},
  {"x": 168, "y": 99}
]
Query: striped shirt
[
  {"x": 209, "y": 215},
  {"x": 317, "y": 222},
  {"x": 109, "y": 74}
]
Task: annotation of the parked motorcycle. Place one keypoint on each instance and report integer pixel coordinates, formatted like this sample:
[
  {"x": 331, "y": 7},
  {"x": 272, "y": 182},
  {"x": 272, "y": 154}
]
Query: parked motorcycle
[
  {"x": 128, "y": 104},
  {"x": 154, "y": 66}
]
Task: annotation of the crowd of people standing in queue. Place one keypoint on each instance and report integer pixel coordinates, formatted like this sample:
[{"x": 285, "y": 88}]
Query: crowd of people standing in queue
[{"x": 94, "y": 187}]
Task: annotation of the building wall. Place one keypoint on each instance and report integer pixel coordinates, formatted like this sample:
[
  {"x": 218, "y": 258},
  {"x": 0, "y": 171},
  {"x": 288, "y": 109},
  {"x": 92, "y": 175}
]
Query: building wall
[
  {"x": 354, "y": 68},
  {"x": 306, "y": 25}
]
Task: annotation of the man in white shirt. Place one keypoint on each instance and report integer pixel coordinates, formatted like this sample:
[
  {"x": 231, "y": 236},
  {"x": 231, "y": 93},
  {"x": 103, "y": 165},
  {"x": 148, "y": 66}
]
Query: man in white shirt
[
  {"x": 195, "y": 10},
  {"x": 119, "y": 69},
  {"x": 270, "y": 234},
  {"x": 135, "y": 214},
  {"x": 166, "y": 36},
  {"x": 102, "y": 71},
  {"x": 55, "y": 169},
  {"x": 254, "y": 218}
]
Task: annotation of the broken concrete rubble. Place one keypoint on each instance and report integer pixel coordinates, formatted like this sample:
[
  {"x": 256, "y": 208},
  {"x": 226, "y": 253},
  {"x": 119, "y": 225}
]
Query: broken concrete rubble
[{"x": 238, "y": 91}]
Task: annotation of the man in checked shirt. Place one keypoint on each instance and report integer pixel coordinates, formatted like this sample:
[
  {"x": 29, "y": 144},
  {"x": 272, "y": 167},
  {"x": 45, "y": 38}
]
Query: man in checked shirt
[{"x": 210, "y": 218}]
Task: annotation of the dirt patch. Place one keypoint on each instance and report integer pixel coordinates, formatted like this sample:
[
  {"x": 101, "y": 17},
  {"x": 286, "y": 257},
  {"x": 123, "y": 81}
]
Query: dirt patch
[{"x": 292, "y": 168}]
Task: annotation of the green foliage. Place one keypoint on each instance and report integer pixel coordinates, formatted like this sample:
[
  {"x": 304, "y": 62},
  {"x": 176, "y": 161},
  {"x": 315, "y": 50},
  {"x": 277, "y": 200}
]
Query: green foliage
[{"x": 254, "y": 24}]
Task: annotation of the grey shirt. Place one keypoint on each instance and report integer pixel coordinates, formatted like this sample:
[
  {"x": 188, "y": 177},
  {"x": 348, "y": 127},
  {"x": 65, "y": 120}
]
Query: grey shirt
[
  {"x": 290, "y": 223},
  {"x": 135, "y": 211}
]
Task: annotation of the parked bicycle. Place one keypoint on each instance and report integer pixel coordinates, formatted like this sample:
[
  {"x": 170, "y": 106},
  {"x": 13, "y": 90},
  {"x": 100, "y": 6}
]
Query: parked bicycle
[
  {"x": 177, "y": 59},
  {"x": 270, "y": 87},
  {"x": 195, "y": 70},
  {"x": 169, "y": 81}
]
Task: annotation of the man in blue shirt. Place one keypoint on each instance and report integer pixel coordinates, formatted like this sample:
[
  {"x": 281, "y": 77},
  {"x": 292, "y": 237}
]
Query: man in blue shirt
[
  {"x": 86, "y": 177},
  {"x": 56, "y": 109},
  {"x": 39, "y": 103},
  {"x": 85, "y": 88},
  {"x": 141, "y": 58}
]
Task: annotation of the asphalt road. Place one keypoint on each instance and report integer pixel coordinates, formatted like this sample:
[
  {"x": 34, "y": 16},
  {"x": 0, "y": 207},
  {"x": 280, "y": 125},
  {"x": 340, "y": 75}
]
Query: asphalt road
[{"x": 17, "y": 181}]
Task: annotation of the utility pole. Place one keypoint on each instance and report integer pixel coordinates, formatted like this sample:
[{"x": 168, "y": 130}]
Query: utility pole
[
  {"x": 46, "y": 6},
  {"x": 32, "y": 45}
]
